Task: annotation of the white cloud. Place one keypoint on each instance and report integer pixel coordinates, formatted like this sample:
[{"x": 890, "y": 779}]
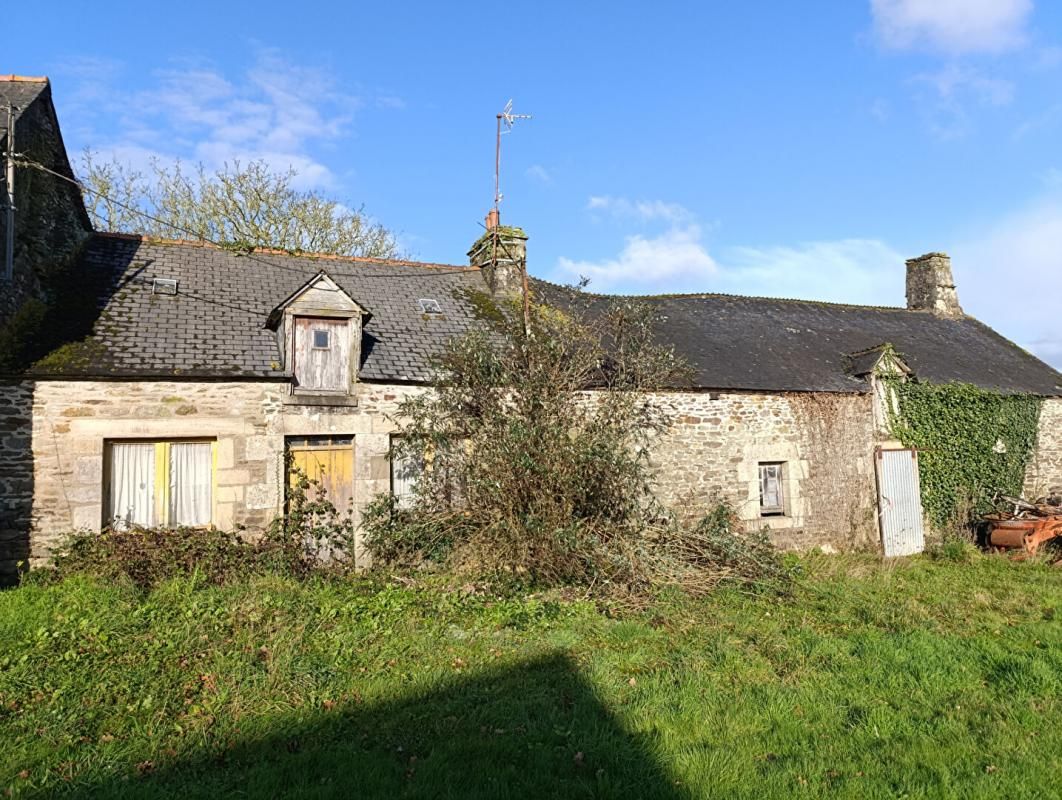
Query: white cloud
[
  {"x": 953, "y": 26},
  {"x": 644, "y": 210},
  {"x": 679, "y": 260},
  {"x": 1010, "y": 275},
  {"x": 956, "y": 91},
  {"x": 539, "y": 173},
  {"x": 676, "y": 259},
  {"x": 954, "y": 82},
  {"x": 862, "y": 271},
  {"x": 274, "y": 111}
]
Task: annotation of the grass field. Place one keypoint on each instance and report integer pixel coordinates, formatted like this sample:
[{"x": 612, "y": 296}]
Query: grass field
[{"x": 915, "y": 679}]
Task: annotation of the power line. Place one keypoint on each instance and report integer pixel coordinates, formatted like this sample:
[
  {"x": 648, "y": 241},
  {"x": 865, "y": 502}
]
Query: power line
[{"x": 199, "y": 236}]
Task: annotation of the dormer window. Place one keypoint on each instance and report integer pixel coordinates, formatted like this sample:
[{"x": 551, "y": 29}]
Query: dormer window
[
  {"x": 319, "y": 328},
  {"x": 322, "y": 355}
]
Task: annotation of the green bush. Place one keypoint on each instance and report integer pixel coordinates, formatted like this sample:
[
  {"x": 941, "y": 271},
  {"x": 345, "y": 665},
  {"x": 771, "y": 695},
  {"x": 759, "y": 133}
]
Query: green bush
[{"x": 529, "y": 479}]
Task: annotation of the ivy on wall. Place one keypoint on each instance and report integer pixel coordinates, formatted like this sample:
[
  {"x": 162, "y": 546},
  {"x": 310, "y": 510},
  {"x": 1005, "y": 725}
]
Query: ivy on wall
[{"x": 973, "y": 443}]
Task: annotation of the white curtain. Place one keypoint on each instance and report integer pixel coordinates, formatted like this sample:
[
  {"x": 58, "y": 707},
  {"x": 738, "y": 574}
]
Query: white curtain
[
  {"x": 133, "y": 485},
  {"x": 190, "y": 483},
  {"x": 405, "y": 470}
]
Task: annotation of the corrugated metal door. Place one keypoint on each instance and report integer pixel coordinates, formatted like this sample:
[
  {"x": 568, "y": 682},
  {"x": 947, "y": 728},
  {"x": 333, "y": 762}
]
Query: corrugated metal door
[{"x": 899, "y": 502}]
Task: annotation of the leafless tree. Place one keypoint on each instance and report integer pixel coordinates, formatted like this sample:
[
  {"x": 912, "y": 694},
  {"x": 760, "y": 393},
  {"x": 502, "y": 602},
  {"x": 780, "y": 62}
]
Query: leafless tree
[{"x": 242, "y": 204}]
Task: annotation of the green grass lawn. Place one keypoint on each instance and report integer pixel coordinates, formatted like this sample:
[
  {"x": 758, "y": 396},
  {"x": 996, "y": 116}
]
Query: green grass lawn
[{"x": 913, "y": 679}]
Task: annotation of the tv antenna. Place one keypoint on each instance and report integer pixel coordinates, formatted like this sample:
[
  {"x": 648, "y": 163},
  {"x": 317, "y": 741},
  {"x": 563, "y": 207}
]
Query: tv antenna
[{"x": 505, "y": 125}]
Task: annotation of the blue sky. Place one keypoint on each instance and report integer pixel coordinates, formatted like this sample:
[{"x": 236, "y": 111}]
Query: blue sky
[{"x": 785, "y": 149}]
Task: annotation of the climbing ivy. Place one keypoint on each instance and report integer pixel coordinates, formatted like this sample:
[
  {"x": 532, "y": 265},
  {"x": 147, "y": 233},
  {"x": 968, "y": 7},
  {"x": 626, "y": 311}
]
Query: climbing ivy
[{"x": 973, "y": 443}]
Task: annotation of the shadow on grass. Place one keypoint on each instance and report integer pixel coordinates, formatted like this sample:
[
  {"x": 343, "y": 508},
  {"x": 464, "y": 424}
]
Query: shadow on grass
[{"x": 532, "y": 731}]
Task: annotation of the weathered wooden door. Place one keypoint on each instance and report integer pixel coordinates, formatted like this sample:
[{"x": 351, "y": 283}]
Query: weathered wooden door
[
  {"x": 329, "y": 460},
  {"x": 899, "y": 502},
  {"x": 322, "y": 354}
]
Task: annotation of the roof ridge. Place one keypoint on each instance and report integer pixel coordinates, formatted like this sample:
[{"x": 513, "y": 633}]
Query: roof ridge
[
  {"x": 394, "y": 262},
  {"x": 24, "y": 78},
  {"x": 704, "y": 295}
]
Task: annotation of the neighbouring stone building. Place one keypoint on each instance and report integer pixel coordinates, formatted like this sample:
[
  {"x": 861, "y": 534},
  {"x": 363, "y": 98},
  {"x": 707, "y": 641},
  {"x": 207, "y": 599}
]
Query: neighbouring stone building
[
  {"x": 199, "y": 369},
  {"x": 53, "y": 222}
]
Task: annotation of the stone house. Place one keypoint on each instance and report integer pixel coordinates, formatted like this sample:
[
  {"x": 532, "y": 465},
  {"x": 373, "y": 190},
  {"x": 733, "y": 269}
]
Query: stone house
[{"x": 199, "y": 368}]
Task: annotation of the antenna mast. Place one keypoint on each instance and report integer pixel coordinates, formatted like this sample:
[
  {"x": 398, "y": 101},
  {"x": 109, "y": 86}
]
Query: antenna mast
[
  {"x": 506, "y": 118},
  {"x": 505, "y": 125}
]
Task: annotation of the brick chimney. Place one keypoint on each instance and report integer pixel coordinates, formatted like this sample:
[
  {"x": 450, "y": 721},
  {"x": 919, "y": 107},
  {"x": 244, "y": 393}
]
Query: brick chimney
[
  {"x": 501, "y": 253},
  {"x": 930, "y": 286}
]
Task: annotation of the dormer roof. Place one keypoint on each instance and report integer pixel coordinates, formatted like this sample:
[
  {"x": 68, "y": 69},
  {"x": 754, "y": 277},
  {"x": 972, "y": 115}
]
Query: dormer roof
[{"x": 318, "y": 296}]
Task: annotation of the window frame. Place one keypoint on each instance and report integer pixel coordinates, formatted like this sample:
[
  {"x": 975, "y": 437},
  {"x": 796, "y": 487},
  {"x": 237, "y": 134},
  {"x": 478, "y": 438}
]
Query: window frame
[
  {"x": 161, "y": 494},
  {"x": 345, "y": 325},
  {"x": 779, "y": 510},
  {"x": 327, "y": 338},
  {"x": 404, "y": 501}
]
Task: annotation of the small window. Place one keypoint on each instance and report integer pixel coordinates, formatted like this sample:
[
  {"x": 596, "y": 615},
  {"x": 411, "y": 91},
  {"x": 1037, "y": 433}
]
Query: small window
[
  {"x": 428, "y": 306},
  {"x": 321, "y": 340},
  {"x": 772, "y": 491},
  {"x": 406, "y": 470}
]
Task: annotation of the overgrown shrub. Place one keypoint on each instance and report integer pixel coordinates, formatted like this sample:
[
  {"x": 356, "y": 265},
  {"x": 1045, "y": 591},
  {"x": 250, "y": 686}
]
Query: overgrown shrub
[
  {"x": 714, "y": 551},
  {"x": 534, "y": 452},
  {"x": 148, "y": 556},
  {"x": 525, "y": 472},
  {"x": 312, "y": 531},
  {"x": 311, "y": 534}
]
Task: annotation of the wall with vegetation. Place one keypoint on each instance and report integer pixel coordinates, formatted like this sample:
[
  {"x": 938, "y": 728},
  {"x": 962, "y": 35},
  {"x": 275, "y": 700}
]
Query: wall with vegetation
[{"x": 973, "y": 445}]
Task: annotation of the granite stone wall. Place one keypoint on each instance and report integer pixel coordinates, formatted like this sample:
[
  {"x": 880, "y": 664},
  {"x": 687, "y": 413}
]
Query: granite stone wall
[
  {"x": 825, "y": 443},
  {"x": 1044, "y": 475},
  {"x": 16, "y": 476},
  {"x": 53, "y": 436},
  {"x": 60, "y": 428}
]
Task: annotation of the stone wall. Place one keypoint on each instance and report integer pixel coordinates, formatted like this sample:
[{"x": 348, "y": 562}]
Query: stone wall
[
  {"x": 53, "y": 434},
  {"x": 16, "y": 476},
  {"x": 825, "y": 442},
  {"x": 60, "y": 470},
  {"x": 1045, "y": 470}
]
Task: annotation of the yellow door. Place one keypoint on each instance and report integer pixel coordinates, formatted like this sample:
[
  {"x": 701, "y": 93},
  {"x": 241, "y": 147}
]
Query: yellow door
[{"x": 328, "y": 461}]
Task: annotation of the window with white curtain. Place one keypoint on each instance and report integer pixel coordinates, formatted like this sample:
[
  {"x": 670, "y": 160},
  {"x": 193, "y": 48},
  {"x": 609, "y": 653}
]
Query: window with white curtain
[
  {"x": 133, "y": 485},
  {"x": 161, "y": 484},
  {"x": 405, "y": 471}
]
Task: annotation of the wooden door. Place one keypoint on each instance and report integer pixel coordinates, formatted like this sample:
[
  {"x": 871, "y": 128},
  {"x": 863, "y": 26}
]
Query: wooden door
[
  {"x": 328, "y": 460},
  {"x": 322, "y": 354}
]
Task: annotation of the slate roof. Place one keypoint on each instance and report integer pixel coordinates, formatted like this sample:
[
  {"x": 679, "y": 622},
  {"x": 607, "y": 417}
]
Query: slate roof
[
  {"x": 760, "y": 343},
  {"x": 215, "y": 326},
  {"x": 20, "y": 92}
]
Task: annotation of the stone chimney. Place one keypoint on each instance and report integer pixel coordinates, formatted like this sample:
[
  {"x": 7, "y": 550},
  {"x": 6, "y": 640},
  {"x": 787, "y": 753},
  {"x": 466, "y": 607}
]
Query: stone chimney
[
  {"x": 930, "y": 286},
  {"x": 501, "y": 253}
]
